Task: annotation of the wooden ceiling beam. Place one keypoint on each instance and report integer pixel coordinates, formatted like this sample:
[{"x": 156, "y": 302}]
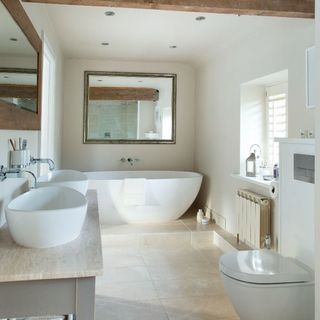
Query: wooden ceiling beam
[{"x": 277, "y": 8}]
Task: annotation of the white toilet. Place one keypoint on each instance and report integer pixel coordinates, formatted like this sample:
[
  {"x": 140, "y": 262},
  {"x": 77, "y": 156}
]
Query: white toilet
[{"x": 264, "y": 285}]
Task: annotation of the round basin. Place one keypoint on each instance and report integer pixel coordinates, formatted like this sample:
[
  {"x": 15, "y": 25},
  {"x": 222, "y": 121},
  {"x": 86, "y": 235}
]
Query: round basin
[
  {"x": 67, "y": 178},
  {"x": 46, "y": 217}
]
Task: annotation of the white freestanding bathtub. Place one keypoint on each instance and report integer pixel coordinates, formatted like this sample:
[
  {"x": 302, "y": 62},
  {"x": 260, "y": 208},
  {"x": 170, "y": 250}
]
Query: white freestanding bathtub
[{"x": 143, "y": 196}]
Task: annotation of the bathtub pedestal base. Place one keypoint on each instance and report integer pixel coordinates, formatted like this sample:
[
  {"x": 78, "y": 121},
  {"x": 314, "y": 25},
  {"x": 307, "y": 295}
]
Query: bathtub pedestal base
[{"x": 59, "y": 297}]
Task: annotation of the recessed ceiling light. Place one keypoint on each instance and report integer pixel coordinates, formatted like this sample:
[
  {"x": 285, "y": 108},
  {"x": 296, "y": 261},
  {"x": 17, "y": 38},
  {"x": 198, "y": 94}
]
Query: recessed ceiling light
[
  {"x": 109, "y": 13},
  {"x": 173, "y": 47},
  {"x": 13, "y": 39},
  {"x": 200, "y": 18},
  {"x": 105, "y": 43}
]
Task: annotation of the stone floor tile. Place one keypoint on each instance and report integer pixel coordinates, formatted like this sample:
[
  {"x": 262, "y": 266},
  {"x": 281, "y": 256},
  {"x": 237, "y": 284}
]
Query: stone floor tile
[
  {"x": 131, "y": 291},
  {"x": 214, "y": 307},
  {"x": 119, "y": 309}
]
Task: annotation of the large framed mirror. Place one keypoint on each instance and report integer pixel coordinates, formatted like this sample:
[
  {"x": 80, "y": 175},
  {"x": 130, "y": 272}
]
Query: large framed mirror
[
  {"x": 20, "y": 69},
  {"x": 129, "y": 107}
]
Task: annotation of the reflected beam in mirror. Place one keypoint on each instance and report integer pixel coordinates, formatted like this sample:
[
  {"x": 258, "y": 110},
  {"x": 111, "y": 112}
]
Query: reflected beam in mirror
[
  {"x": 18, "y": 90},
  {"x": 123, "y": 93}
]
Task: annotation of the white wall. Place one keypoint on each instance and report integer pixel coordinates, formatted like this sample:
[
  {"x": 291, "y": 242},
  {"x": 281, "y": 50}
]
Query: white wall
[
  {"x": 31, "y": 135},
  {"x": 42, "y": 22},
  {"x": 145, "y": 120},
  {"x": 218, "y": 108},
  {"x": 92, "y": 157},
  {"x": 18, "y": 62},
  {"x": 317, "y": 186}
]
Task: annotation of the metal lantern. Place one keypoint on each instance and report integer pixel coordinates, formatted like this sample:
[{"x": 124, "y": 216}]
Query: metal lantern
[{"x": 251, "y": 165}]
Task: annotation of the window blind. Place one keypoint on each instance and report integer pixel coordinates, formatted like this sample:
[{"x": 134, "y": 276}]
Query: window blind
[{"x": 277, "y": 120}]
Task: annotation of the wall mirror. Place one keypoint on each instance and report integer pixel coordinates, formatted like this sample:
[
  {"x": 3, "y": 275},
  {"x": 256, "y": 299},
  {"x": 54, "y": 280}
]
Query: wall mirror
[
  {"x": 20, "y": 69},
  {"x": 18, "y": 88},
  {"x": 125, "y": 107}
]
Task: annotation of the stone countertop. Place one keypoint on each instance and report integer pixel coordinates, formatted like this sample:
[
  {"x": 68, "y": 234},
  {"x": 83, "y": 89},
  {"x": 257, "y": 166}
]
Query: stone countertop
[{"x": 77, "y": 259}]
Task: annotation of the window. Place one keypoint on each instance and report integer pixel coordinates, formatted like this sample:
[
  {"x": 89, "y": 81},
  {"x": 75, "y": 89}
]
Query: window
[
  {"x": 277, "y": 120},
  {"x": 264, "y": 117}
]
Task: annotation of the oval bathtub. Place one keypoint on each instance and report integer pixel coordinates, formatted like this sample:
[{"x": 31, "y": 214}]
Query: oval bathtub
[{"x": 143, "y": 196}]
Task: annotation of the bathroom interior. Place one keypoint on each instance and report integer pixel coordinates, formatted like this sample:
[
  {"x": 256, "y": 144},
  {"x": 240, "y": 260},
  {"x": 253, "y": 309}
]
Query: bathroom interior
[{"x": 158, "y": 160}]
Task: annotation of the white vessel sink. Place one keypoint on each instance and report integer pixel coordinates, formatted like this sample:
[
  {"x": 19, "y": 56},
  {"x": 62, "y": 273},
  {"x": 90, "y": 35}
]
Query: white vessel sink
[
  {"x": 68, "y": 178},
  {"x": 46, "y": 217},
  {"x": 10, "y": 188}
]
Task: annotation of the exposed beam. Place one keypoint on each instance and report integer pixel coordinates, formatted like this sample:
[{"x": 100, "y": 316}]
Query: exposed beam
[
  {"x": 278, "y": 8},
  {"x": 123, "y": 93}
]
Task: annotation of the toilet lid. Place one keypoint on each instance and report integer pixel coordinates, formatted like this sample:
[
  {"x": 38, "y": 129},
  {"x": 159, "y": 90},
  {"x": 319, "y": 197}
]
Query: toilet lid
[{"x": 263, "y": 267}]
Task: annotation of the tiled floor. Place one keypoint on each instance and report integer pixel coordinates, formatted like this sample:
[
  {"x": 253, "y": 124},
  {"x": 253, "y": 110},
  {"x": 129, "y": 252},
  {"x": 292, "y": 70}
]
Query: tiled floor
[{"x": 161, "y": 272}]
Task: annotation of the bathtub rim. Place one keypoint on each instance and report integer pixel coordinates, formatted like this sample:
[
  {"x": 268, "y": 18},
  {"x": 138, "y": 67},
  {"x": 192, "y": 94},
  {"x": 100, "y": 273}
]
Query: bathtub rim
[{"x": 189, "y": 174}]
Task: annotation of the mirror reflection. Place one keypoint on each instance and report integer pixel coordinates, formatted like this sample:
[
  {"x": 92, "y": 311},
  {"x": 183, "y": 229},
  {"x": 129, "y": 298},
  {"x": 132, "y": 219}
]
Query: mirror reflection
[
  {"x": 18, "y": 87},
  {"x": 18, "y": 66},
  {"x": 129, "y": 108}
]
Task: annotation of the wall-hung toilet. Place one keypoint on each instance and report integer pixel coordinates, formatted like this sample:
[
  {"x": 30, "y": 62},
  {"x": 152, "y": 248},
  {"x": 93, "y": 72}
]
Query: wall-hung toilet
[{"x": 264, "y": 285}]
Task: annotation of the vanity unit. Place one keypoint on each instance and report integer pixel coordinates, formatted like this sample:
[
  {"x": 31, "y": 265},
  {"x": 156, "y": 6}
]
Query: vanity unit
[{"x": 54, "y": 281}]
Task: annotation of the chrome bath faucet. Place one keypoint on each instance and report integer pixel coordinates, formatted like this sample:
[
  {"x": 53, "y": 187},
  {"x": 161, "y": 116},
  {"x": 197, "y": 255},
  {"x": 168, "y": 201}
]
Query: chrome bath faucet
[{"x": 129, "y": 160}]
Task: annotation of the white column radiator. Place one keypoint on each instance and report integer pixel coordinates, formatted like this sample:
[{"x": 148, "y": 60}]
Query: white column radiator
[{"x": 253, "y": 218}]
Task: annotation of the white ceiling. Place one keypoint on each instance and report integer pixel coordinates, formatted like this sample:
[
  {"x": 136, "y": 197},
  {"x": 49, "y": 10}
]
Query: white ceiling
[
  {"x": 18, "y": 78},
  {"x": 136, "y": 34},
  {"x": 122, "y": 81}
]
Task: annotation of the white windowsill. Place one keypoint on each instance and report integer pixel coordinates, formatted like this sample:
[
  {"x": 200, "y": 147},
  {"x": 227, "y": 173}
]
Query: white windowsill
[
  {"x": 257, "y": 180},
  {"x": 295, "y": 141}
]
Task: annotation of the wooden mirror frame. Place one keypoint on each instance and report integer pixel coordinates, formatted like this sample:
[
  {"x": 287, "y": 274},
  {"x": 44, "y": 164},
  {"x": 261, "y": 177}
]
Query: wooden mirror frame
[
  {"x": 87, "y": 74},
  {"x": 13, "y": 118}
]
